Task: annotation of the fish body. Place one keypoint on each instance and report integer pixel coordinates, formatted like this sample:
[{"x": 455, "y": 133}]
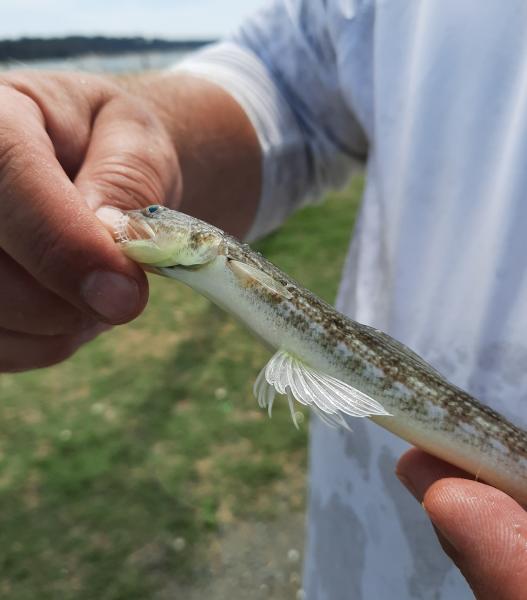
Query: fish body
[{"x": 324, "y": 359}]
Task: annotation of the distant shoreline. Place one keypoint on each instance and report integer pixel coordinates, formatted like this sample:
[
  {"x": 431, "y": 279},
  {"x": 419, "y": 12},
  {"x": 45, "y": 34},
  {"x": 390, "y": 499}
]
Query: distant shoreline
[{"x": 28, "y": 49}]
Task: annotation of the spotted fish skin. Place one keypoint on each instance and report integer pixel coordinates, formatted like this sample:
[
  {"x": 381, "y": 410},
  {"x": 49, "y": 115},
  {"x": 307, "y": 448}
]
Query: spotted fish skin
[{"x": 424, "y": 408}]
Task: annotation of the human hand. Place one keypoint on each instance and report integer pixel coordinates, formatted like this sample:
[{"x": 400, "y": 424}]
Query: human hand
[
  {"x": 68, "y": 144},
  {"x": 482, "y": 530}
]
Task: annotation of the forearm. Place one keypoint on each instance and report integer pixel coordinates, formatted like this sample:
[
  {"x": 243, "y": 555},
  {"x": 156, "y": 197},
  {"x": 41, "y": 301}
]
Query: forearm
[
  {"x": 217, "y": 147},
  {"x": 258, "y": 119}
]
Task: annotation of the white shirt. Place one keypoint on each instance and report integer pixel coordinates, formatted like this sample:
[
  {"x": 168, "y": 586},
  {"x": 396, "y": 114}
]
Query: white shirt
[{"x": 434, "y": 93}]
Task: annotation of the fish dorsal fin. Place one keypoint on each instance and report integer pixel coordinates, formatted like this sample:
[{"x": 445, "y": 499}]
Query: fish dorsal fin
[
  {"x": 249, "y": 274},
  {"x": 399, "y": 348},
  {"x": 328, "y": 396}
]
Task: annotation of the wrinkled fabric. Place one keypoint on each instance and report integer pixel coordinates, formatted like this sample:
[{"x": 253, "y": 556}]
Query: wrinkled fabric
[{"x": 435, "y": 95}]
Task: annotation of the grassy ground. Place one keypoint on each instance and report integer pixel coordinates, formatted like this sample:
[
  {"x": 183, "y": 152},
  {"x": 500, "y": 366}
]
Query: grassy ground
[{"x": 119, "y": 468}]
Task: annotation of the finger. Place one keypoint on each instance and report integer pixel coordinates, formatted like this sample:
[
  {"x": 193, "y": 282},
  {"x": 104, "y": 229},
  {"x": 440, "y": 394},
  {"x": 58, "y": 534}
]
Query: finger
[
  {"x": 418, "y": 470},
  {"x": 482, "y": 529},
  {"x": 488, "y": 532},
  {"x": 47, "y": 228},
  {"x": 131, "y": 161},
  {"x": 28, "y": 307},
  {"x": 67, "y": 102},
  {"x": 20, "y": 351}
]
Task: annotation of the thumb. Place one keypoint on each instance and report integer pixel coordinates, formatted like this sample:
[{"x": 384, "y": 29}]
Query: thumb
[
  {"x": 487, "y": 531},
  {"x": 47, "y": 229},
  {"x": 131, "y": 161},
  {"x": 483, "y": 530}
]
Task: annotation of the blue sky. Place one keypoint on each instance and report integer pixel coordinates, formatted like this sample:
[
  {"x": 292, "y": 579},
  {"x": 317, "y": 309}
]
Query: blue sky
[{"x": 166, "y": 18}]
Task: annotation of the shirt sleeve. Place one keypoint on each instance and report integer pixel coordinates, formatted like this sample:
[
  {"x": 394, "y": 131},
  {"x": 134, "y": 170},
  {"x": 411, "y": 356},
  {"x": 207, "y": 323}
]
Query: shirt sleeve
[{"x": 281, "y": 67}]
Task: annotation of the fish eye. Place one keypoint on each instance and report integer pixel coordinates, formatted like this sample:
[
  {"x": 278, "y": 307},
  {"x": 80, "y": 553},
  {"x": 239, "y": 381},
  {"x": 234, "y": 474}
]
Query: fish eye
[{"x": 150, "y": 210}]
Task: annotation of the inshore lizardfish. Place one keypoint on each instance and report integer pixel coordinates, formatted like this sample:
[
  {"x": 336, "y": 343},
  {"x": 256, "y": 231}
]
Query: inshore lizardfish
[{"x": 323, "y": 359}]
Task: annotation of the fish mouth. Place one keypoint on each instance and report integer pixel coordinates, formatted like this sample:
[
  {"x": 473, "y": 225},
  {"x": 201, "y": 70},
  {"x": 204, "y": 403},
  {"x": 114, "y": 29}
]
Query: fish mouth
[
  {"x": 135, "y": 237},
  {"x": 133, "y": 228},
  {"x": 126, "y": 227}
]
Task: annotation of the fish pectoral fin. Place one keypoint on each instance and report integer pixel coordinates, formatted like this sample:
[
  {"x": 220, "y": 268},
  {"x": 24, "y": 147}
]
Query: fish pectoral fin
[
  {"x": 326, "y": 395},
  {"x": 249, "y": 274}
]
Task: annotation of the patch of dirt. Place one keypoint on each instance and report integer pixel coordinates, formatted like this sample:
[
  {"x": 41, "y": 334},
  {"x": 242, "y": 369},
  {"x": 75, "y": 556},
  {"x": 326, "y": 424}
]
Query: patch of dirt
[{"x": 257, "y": 560}]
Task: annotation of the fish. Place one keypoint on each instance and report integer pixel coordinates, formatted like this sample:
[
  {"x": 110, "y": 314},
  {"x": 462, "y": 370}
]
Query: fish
[{"x": 323, "y": 359}]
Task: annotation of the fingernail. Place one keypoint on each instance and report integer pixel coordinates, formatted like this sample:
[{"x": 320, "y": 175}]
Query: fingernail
[
  {"x": 114, "y": 297},
  {"x": 93, "y": 199}
]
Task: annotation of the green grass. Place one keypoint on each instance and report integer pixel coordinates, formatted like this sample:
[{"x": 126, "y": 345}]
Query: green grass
[{"x": 151, "y": 434}]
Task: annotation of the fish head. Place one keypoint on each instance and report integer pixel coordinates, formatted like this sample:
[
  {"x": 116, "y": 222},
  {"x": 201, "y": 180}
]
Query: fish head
[{"x": 157, "y": 236}]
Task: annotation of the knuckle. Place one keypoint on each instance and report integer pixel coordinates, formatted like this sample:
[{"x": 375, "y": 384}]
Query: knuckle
[
  {"x": 141, "y": 113},
  {"x": 130, "y": 181},
  {"x": 13, "y": 180},
  {"x": 17, "y": 105},
  {"x": 14, "y": 149},
  {"x": 10, "y": 79},
  {"x": 10, "y": 148},
  {"x": 16, "y": 77},
  {"x": 17, "y": 145}
]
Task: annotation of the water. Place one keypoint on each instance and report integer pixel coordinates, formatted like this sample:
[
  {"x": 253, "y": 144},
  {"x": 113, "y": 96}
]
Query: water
[{"x": 131, "y": 62}]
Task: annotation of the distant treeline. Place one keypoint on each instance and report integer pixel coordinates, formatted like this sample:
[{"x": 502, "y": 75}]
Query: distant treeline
[{"x": 38, "y": 48}]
